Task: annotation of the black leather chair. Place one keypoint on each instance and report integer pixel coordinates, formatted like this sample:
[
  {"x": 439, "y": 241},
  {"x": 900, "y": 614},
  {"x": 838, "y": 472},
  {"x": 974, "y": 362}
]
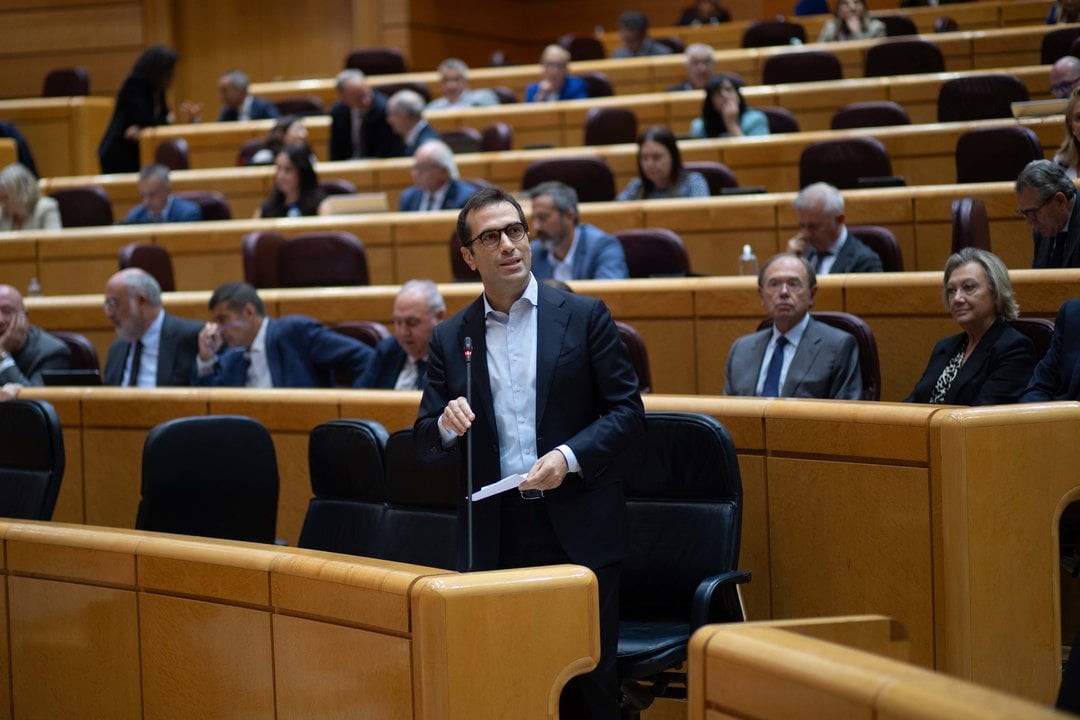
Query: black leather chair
[
  {"x": 213, "y": 204},
  {"x": 212, "y": 476},
  {"x": 597, "y": 84},
  {"x": 83, "y": 206},
  {"x": 980, "y": 97},
  {"x": 346, "y": 460},
  {"x": 897, "y": 25},
  {"x": 879, "y": 113},
  {"x": 582, "y": 47},
  {"x": 1056, "y": 44},
  {"x": 844, "y": 163},
  {"x": 173, "y": 154},
  {"x": 497, "y": 136},
  {"x": 995, "y": 154},
  {"x": 590, "y": 176},
  {"x": 322, "y": 259},
  {"x": 1039, "y": 330},
  {"x": 652, "y": 252},
  {"x": 248, "y": 150},
  {"x": 610, "y": 126},
  {"x": 463, "y": 140},
  {"x": 337, "y": 186},
  {"x": 66, "y": 82},
  {"x": 302, "y": 105},
  {"x": 506, "y": 95},
  {"x": 389, "y": 88},
  {"x": 154, "y": 259},
  {"x": 83, "y": 353},
  {"x": 970, "y": 226},
  {"x": 31, "y": 459},
  {"x": 377, "y": 61},
  {"x": 718, "y": 175},
  {"x": 639, "y": 355},
  {"x": 781, "y": 120},
  {"x": 369, "y": 332},
  {"x": 684, "y": 509},
  {"x": 903, "y": 57},
  {"x": 882, "y": 241},
  {"x": 798, "y": 67},
  {"x": 766, "y": 33}
]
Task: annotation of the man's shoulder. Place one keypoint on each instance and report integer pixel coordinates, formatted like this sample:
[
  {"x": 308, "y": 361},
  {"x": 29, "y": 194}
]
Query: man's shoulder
[
  {"x": 818, "y": 329},
  {"x": 186, "y": 208},
  {"x": 750, "y": 338},
  {"x": 597, "y": 235},
  {"x": 181, "y": 325}
]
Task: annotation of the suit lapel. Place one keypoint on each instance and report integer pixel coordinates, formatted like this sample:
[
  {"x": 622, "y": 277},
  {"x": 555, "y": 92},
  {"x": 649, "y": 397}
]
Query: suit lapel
[
  {"x": 808, "y": 349},
  {"x": 752, "y": 371},
  {"x": 473, "y": 325},
  {"x": 581, "y": 254},
  {"x": 273, "y": 351},
  {"x": 843, "y": 258},
  {"x": 166, "y": 353},
  {"x": 975, "y": 361},
  {"x": 551, "y": 324},
  {"x": 1072, "y": 240}
]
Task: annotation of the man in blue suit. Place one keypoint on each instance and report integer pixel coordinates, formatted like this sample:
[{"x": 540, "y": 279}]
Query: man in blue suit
[
  {"x": 1057, "y": 376},
  {"x": 555, "y": 400},
  {"x": 555, "y": 83},
  {"x": 436, "y": 183},
  {"x": 242, "y": 347},
  {"x": 401, "y": 360},
  {"x": 565, "y": 249},
  {"x": 405, "y": 113},
  {"x": 236, "y": 104},
  {"x": 158, "y": 202}
]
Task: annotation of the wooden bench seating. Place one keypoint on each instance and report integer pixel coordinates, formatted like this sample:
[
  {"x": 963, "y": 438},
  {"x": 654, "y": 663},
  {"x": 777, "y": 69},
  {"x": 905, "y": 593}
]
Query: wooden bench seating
[
  {"x": 8, "y": 152},
  {"x": 63, "y": 133}
]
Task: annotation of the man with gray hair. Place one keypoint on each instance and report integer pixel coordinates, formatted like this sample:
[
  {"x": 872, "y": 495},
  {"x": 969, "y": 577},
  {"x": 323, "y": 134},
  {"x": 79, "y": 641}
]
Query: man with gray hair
[
  {"x": 454, "y": 81},
  {"x": 401, "y": 360},
  {"x": 154, "y": 348},
  {"x": 26, "y": 350},
  {"x": 1046, "y": 198},
  {"x": 1064, "y": 76},
  {"x": 700, "y": 67},
  {"x": 405, "y": 113},
  {"x": 436, "y": 183},
  {"x": 823, "y": 238},
  {"x": 236, "y": 104},
  {"x": 158, "y": 202},
  {"x": 358, "y": 127},
  {"x": 565, "y": 248}
]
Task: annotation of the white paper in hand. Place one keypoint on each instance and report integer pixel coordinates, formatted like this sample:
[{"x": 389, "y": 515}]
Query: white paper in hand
[{"x": 507, "y": 483}]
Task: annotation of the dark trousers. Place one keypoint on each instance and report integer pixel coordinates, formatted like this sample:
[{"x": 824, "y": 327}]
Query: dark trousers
[{"x": 528, "y": 539}]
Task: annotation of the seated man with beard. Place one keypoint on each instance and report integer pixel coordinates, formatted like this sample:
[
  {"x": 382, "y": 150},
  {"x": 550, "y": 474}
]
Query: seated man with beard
[{"x": 565, "y": 249}]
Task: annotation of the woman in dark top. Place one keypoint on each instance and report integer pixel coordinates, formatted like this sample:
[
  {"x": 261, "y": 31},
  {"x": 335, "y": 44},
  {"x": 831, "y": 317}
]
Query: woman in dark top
[
  {"x": 296, "y": 187},
  {"x": 989, "y": 363},
  {"x": 140, "y": 103}
]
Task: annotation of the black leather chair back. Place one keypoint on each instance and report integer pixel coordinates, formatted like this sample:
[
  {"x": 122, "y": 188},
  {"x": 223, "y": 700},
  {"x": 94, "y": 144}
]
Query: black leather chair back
[
  {"x": 654, "y": 252},
  {"x": 213, "y": 204},
  {"x": 369, "y": 332},
  {"x": 882, "y": 241},
  {"x": 212, "y": 476},
  {"x": 597, "y": 84},
  {"x": 766, "y": 33},
  {"x": 1039, "y": 330},
  {"x": 377, "y": 61},
  {"x": 83, "y": 353},
  {"x": 980, "y": 97},
  {"x": 83, "y": 206},
  {"x": 582, "y": 47},
  {"x": 610, "y": 126},
  {"x": 798, "y": 67},
  {"x": 590, "y": 176},
  {"x": 31, "y": 459},
  {"x": 970, "y": 225},
  {"x": 66, "y": 82},
  {"x": 346, "y": 459},
  {"x": 995, "y": 154},
  {"x": 154, "y": 259},
  {"x": 781, "y": 120},
  {"x": 463, "y": 140},
  {"x": 718, "y": 175},
  {"x": 302, "y": 105},
  {"x": 173, "y": 154},
  {"x": 844, "y": 162},
  {"x": 903, "y": 57},
  {"x": 321, "y": 259},
  {"x": 497, "y": 136},
  {"x": 1056, "y": 44},
  {"x": 389, "y": 88},
  {"x": 337, "y": 186},
  {"x": 878, "y": 113},
  {"x": 897, "y": 25}
]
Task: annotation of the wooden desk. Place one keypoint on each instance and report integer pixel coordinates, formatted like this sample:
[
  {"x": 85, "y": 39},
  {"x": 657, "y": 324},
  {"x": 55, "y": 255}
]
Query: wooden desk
[
  {"x": 63, "y": 133},
  {"x": 8, "y": 152}
]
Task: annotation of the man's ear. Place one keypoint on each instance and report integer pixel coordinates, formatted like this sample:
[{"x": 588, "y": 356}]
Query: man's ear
[{"x": 466, "y": 253}]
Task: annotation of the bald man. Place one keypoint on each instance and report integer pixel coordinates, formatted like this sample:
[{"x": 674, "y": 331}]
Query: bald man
[{"x": 25, "y": 349}]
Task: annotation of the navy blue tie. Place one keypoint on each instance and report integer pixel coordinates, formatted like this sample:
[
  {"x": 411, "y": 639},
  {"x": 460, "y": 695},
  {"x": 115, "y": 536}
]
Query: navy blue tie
[{"x": 772, "y": 378}]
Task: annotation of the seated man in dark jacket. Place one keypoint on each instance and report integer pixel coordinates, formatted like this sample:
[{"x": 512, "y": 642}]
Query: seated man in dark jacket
[{"x": 401, "y": 361}]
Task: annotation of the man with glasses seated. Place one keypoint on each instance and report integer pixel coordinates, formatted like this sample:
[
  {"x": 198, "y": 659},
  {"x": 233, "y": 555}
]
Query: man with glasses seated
[
  {"x": 1046, "y": 198},
  {"x": 401, "y": 360},
  {"x": 555, "y": 83},
  {"x": 436, "y": 182},
  {"x": 1064, "y": 75},
  {"x": 554, "y": 401},
  {"x": 798, "y": 356}
]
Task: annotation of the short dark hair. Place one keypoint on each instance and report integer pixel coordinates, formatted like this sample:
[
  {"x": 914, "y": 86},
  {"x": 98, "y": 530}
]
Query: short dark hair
[
  {"x": 481, "y": 199},
  {"x": 635, "y": 21},
  {"x": 236, "y": 295}
]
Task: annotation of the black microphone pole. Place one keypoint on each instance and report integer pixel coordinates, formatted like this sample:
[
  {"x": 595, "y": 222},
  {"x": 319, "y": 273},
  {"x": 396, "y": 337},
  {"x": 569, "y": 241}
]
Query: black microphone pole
[{"x": 468, "y": 456}]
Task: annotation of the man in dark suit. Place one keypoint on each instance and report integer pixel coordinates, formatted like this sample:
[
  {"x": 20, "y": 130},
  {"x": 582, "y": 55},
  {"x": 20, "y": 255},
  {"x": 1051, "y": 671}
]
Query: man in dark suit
[
  {"x": 237, "y": 104},
  {"x": 401, "y": 361},
  {"x": 242, "y": 347},
  {"x": 798, "y": 356},
  {"x": 555, "y": 400},
  {"x": 158, "y": 202},
  {"x": 358, "y": 127},
  {"x": 555, "y": 82},
  {"x": 436, "y": 183},
  {"x": 1057, "y": 376},
  {"x": 405, "y": 113},
  {"x": 1046, "y": 198},
  {"x": 25, "y": 349},
  {"x": 154, "y": 348},
  {"x": 823, "y": 237},
  {"x": 566, "y": 249}
]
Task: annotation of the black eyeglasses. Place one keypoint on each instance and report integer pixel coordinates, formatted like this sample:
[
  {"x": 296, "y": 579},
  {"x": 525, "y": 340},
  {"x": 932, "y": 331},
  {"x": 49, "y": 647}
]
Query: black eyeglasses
[
  {"x": 492, "y": 238},
  {"x": 1030, "y": 213},
  {"x": 1062, "y": 89}
]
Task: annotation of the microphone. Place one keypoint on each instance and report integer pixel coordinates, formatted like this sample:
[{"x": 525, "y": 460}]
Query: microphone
[{"x": 468, "y": 458}]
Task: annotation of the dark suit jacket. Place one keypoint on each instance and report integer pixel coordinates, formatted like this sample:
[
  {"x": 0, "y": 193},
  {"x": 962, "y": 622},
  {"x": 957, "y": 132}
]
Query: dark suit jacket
[
  {"x": 301, "y": 353},
  {"x": 41, "y": 351},
  {"x": 261, "y": 109},
  {"x": 176, "y": 358},
  {"x": 996, "y": 373},
  {"x": 586, "y": 398},
  {"x": 597, "y": 256},
  {"x": 826, "y": 364},
  {"x": 456, "y": 196},
  {"x": 383, "y": 370},
  {"x": 1057, "y": 376},
  {"x": 573, "y": 89},
  {"x": 134, "y": 106},
  {"x": 1044, "y": 245},
  {"x": 426, "y": 133},
  {"x": 855, "y": 256},
  {"x": 377, "y": 138},
  {"x": 178, "y": 210}
]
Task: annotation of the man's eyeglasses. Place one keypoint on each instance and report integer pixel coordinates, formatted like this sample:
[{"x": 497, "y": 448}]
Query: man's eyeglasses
[
  {"x": 491, "y": 238},
  {"x": 1062, "y": 89},
  {"x": 1030, "y": 213},
  {"x": 111, "y": 304}
]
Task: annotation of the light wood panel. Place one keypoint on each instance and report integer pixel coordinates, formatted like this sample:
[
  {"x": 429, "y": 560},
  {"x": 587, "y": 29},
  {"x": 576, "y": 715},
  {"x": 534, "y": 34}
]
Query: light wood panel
[
  {"x": 63, "y": 133},
  {"x": 8, "y": 152}
]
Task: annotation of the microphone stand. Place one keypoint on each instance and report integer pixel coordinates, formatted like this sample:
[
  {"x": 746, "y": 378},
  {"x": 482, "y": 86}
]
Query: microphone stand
[{"x": 468, "y": 458}]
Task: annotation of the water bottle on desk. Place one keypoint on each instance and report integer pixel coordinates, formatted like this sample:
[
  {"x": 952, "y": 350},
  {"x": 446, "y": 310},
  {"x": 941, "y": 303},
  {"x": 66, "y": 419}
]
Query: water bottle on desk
[
  {"x": 748, "y": 264},
  {"x": 34, "y": 288}
]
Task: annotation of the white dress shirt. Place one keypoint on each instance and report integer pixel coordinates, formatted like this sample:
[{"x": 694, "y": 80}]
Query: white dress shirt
[{"x": 151, "y": 350}]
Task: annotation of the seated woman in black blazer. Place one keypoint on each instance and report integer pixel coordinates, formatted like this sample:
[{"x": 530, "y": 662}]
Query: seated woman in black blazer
[
  {"x": 989, "y": 363},
  {"x": 296, "y": 186}
]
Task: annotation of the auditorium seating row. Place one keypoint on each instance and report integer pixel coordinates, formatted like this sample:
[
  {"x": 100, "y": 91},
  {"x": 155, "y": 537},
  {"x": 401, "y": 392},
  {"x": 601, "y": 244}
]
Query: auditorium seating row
[
  {"x": 63, "y": 133},
  {"x": 849, "y": 507}
]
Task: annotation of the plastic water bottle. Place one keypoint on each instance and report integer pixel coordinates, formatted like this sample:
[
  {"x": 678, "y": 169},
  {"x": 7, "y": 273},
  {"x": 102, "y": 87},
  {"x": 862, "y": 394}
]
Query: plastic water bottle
[
  {"x": 34, "y": 288},
  {"x": 748, "y": 261}
]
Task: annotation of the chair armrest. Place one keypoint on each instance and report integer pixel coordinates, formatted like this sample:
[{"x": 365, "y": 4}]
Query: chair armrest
[{"x": 716, "y": 599}]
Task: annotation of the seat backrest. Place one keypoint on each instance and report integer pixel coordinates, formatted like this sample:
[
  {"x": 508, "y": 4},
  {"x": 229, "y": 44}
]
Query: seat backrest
[
  {"x": 497, "y": 136},
  {"x": 610, "y": 126},
  {"x": 896, "y": 25},
  {"x": 347, "y": 465},
  {"x": 903, "y": 57},
  {"x": 765, "y": 33},
  {"x": 322, "y": 259},
  {"x": 369, "y": 332},
  {"x": 639, "y": 355},
  {"x": 420, "y": 525},
  {"x": 83, "y": 206},
  {"x": 459, "y": 269},
  {"x": 582, "y": 47},
  {"x": 980, "y": 97},
  {"x": 684, "y": 509},
  {"x": 376, "y": 61},
  {"x": 882, "y": 241},
  {"x": 590, "y": 176},
  {"x": 154, "y": 259},
  {"x": 213, "y": 476},
  {"x": 970, "y": 225},
  {"x": 843, "y": 162},
  {"x": 870, "y": 114},
  {"x": 302, "y": 105},
  {"x": 173, "y": 154},
  {"x": 248, "y": 150},
  {"x": 1056, "y": 43},
  {"x": 945, "y": 24},
  {"x": 507, "y": 95},
  {"x": 66, "y": 82},
  {"x": 654, "y": 252},
  {"x": 1039, "y": 330},
  {"x": 462, "y": 140},
  {"x": 597, "y": 84},
  {"x": 389, "y": 88},
  {"x": 213, "y": 204},
  {"x": 671, "y": 42},
  {"x": 995, "y": 154},
  {"x": 31, "y": 459},
  {"x": 83, "y": 353},
  {"x": 336, "y": 186},
  {"x": 797, "y": 67},
  {"x": 781, "y": 120},
  {"x": 718, "y": 175},
  {"x": 259, "y": 250}
]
